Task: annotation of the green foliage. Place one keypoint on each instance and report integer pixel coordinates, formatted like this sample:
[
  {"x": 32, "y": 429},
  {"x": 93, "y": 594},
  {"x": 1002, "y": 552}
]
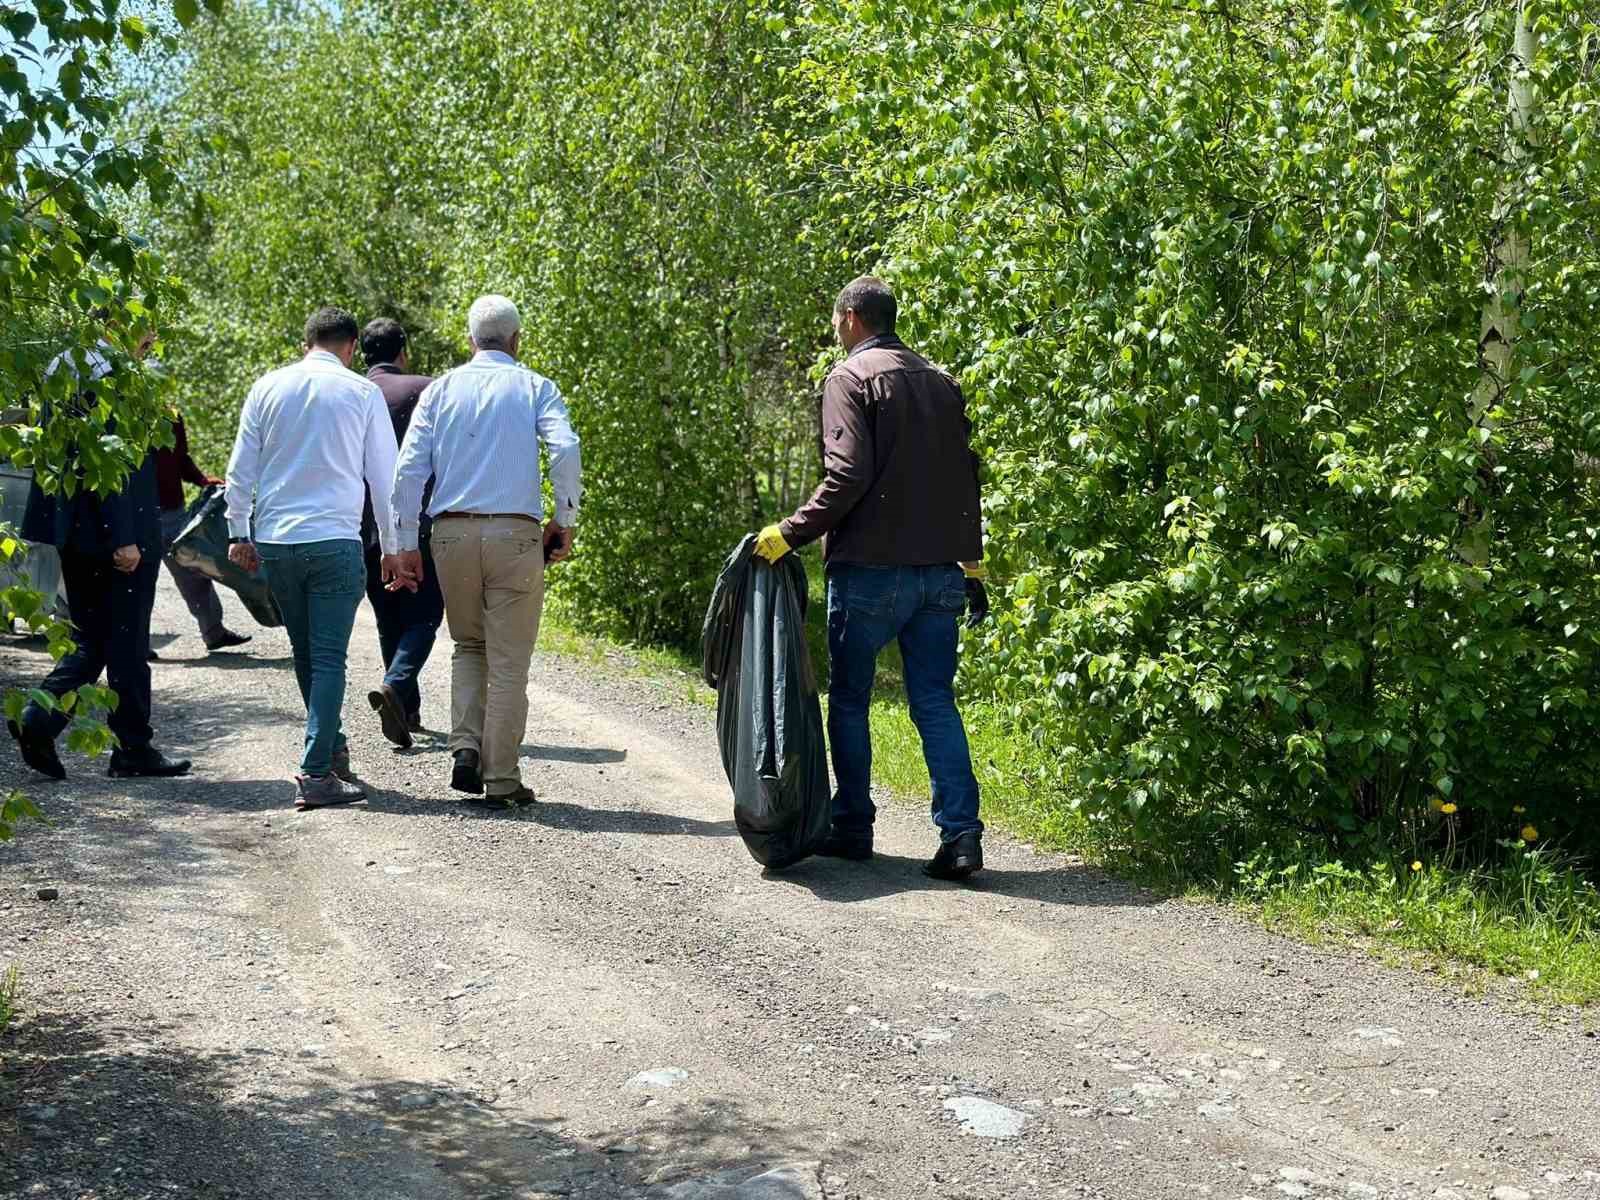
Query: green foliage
[{"x": 10, "y": 990}]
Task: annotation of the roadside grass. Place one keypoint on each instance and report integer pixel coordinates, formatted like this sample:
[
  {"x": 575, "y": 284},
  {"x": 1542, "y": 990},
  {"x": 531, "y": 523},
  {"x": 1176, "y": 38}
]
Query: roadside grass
[
  {"x": 10, "y": 991},
  {"x": 1531, "y": 916}
]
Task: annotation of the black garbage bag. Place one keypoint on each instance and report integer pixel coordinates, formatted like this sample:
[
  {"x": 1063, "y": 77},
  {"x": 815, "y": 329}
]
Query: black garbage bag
[
  {"x": 203, "y": 546},
  {"x": 769, "y": 721}
]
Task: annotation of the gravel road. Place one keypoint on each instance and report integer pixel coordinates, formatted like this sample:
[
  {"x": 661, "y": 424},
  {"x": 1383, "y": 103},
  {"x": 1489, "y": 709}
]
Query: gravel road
[{"x": 603, "y": 996}]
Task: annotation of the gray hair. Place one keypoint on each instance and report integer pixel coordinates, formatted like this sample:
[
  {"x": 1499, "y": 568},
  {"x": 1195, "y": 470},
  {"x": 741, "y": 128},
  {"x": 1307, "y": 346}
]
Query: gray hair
[{"x": 492, "y": 322}]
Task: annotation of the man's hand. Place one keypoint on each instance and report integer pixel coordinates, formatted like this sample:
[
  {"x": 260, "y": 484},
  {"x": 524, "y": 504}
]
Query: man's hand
[
  {"x": 977, "y": 593},
  {"x": 403, "y": 570},
  {"x": 771, "y": 544},
  {"x": 243, "y": 555},
  {"x": 214, "y": 481},
  {"x": 126, "y": 559},
  {"x": 558, "y": 541}
]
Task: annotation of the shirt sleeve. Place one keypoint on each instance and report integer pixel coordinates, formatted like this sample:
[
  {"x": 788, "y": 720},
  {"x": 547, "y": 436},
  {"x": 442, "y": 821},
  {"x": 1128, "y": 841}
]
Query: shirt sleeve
[
  {"x": 412, "y": 469},
  {"x": 846, "y": 463},
  {"x": 561, "y": 443},
  {"x": 379, "y": 468},
  {"x": 244, "y": 467}
]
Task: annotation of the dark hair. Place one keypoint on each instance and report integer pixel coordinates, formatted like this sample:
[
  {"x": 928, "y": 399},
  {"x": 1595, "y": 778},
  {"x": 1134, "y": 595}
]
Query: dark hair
[
  {"x": 329, "y": 327},
  {"x": 382, "y": 341},
  {"x": 871, "y": 300}
]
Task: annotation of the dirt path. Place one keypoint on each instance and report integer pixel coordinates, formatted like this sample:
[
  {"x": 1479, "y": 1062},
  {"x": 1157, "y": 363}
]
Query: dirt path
[{"x": 603, "y": 997}]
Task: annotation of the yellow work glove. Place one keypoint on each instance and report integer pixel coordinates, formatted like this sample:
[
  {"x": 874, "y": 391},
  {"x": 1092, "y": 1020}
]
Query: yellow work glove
[{"x": 770, "y": 544}]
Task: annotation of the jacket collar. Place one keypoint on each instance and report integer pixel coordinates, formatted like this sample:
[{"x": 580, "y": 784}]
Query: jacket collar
[
  {"x": 320, "y": 355},
  {"x": 872, "y": 343}
]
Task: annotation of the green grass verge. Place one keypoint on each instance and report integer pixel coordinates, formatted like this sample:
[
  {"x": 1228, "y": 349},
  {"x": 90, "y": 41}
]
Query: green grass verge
[
  {"x": 10, "y": 990},
  {"x": 1531, "y": 916}
]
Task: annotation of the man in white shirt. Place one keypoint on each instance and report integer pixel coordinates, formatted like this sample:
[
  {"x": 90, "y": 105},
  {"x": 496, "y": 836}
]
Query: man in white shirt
[
  {"x": 477, "y": 431},
  {"x": 310, "y": 435}
]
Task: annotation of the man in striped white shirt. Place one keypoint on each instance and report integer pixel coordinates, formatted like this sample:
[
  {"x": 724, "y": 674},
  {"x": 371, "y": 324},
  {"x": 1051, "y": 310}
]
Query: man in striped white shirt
[
  {"x": 477, "y": 431},
  {"x": 309, "y": 435}
]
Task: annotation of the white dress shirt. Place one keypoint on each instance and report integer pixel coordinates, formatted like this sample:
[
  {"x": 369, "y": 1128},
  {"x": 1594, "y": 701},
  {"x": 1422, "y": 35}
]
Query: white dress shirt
[
  {"x": 310, "y": 434},
  {"x": 477, "y": 430}
]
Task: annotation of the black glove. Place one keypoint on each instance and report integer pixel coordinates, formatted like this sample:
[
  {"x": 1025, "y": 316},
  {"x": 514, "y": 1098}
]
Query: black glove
[{"x": 977, "y": 602}]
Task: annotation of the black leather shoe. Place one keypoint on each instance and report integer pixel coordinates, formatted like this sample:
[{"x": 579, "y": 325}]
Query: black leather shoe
[
  {"x": 466, "y": 776},
  {"x": 521, "y": 798},
  {"x": 414, "y": 723},
  {"x": 152, "y": 656},
  {"x": 391, "y": 714},
  {"x": 38, "y": 752},
  {"x": 226, "y": 639},
  {"x": 958, "y": 858},
  {"x": 844, "y": 845},
  {"x": 146, "y": 763}
]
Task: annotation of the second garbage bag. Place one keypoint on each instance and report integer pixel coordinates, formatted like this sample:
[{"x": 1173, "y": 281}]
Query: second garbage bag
[
  {"x": 203, "y": 546},
  {"x": 769, "y": 721}
]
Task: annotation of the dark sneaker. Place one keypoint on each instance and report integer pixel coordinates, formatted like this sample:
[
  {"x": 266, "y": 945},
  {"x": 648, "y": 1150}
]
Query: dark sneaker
[
  {"x": 152, "y": 656},
  {"x": 465, "y": 774},
  {"x": 391, "y": 714},
  {"x": 845, "y": 845},
  {"x": 414, "y": 723},
  {"x": 957, "y": 858},
  {"x": 341, "y": 765},
  {"x": 38, "y": 752},
  {"x": 325, "y": 791},
  {"x": 226, "y": 639},
  {"x": 148, "y": 762},
  {"x": 503, "y": 801}
]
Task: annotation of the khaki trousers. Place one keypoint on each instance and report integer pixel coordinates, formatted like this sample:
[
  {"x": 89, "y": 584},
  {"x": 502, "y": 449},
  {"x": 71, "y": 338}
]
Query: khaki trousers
[{"x": 491, "y": 571}]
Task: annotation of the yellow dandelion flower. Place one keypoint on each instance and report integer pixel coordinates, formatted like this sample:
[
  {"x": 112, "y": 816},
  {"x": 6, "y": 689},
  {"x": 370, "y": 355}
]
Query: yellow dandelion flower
[
  {"x": 1416, "y": 865},
  {"x": 1530, "y": 833},
  {"x": 1517, "y": 808},
  {"x": 1447, "y": 809}
]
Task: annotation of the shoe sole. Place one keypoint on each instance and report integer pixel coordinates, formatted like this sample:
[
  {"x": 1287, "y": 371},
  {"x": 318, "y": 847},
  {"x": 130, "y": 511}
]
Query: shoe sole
[
  {"x": 303, "y": 806},
  {"x": 959, "y": 870},
  {"x": 391, "y": 718}
]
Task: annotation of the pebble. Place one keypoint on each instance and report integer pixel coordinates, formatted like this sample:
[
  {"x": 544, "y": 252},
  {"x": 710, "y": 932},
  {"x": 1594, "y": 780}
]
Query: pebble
[
  {"x": 788, "y": 1181},
  {"x": 49, "y": 893},
  {"x": 660, "y": 1077},
  {"x": 1506, "y": 1192},
  {"x": 412, "y": 1101},
  {"x": 985, "y": 1118}
]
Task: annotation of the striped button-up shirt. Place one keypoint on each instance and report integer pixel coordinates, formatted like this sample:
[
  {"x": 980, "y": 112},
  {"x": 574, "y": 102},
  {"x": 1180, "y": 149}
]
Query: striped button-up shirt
[{"x": 477, "y": 431}]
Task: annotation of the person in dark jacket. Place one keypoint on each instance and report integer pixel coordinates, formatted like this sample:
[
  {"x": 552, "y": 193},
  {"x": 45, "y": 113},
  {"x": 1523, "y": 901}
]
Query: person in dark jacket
[
  {"x": 899, "y": 509},
  {"x": 175, "y": 466},
  {"x": 408, "y": 621},
  {"x": 110, "y": 549}
]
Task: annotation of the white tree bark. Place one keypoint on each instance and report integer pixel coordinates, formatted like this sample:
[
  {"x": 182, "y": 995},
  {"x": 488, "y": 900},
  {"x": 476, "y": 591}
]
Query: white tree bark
[{"x": 1508, "y": 263}]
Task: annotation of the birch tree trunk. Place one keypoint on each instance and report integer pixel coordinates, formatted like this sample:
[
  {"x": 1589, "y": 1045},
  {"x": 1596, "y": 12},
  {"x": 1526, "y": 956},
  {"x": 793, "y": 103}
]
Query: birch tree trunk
[{"x": 1508, "y": 262}]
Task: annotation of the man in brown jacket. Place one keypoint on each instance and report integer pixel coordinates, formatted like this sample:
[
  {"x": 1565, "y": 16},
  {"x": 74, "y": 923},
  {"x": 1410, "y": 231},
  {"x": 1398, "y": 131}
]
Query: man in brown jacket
[{"x": 899, "y": 509}]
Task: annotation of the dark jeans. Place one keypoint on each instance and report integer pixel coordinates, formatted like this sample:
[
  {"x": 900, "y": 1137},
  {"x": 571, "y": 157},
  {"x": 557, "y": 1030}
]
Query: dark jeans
[
  {"x": 869, "y": 607},
  {"x": 408, "y": 622},
  {"x": 197, "y": 590},
  {"x": 317, "y": 586},
  {"x": 110, "y": 613}
]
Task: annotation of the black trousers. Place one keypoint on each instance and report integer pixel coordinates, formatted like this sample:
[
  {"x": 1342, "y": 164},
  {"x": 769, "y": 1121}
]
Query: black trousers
[{"x": 110, "y": 613}]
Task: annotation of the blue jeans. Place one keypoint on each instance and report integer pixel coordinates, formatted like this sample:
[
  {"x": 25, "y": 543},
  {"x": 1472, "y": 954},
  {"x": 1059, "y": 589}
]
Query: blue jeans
[
  {"x": 408, "y": 623},
  {"x": 869, "y": 607},
  {"x": 318, "y": 586}
]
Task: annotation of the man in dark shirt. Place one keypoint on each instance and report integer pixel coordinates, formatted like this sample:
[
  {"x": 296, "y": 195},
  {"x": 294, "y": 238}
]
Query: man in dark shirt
[
  {"x": 175, "y": 466},
  {"x": 109, "y": 548},
  {"x": 408, "y": 621},
  {"x": 899, "y": 508}
]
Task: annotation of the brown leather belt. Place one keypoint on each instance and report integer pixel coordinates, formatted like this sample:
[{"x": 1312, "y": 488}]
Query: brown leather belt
[{"x": 488, "y": 517}]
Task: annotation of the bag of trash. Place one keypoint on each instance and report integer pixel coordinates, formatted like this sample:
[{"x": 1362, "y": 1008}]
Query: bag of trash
[
  {"x": 203, "y": 546},
  {"x": 769, "y": 721}
]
